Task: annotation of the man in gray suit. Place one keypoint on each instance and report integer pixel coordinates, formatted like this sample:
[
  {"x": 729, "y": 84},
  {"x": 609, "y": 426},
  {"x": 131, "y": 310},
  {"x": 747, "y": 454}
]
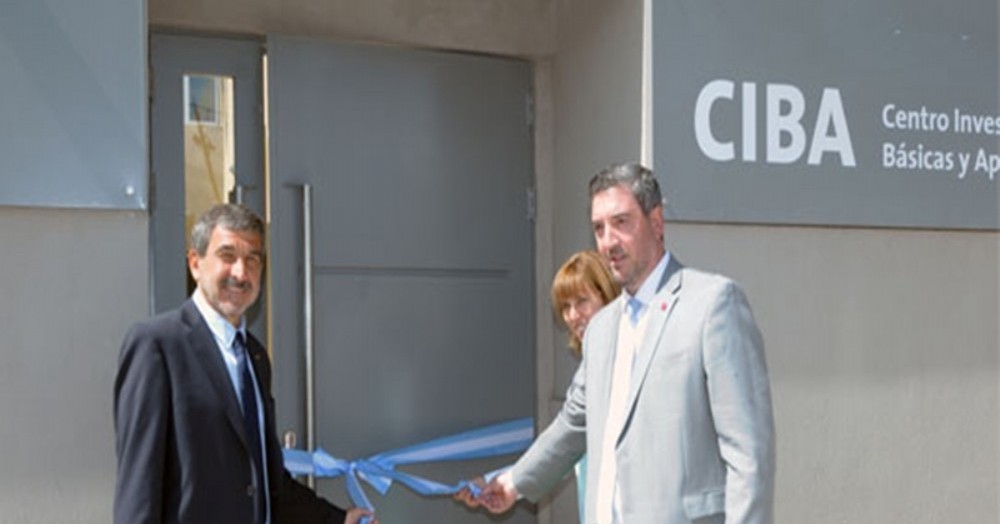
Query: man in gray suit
[{"x": 671, "y": 401}]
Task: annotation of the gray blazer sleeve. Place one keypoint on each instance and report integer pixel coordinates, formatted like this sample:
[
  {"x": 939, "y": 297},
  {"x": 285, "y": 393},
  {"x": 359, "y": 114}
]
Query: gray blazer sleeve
[
  {"x": 740, "y": 398},
  {"x": 558, "y": 448}
]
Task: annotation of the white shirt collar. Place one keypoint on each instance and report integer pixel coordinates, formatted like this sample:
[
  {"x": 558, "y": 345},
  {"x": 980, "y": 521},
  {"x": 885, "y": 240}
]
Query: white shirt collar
[{"x": 649, "y": 286}]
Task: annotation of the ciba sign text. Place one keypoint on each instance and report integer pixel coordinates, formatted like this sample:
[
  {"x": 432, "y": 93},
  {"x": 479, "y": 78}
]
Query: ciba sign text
[{"x": 786, "y": 139}]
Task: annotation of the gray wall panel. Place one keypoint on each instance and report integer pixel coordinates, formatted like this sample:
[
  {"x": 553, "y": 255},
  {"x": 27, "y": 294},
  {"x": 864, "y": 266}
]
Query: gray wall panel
[
  {"x": 73, "y": 78},
  {"x": 864, "y": 62}
]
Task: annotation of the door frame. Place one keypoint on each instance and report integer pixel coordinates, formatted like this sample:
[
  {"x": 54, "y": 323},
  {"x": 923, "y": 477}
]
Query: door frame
[{"x": 171, "y": 55}]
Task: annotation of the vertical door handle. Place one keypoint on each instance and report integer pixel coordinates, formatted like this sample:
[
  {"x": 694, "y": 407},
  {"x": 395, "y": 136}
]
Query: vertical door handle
[
  {"x": 307, "y": 322},
  {"x": 238, "y": 194}
]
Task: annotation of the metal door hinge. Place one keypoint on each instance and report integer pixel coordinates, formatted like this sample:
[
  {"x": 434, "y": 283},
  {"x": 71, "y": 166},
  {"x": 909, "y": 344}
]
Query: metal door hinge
[
  {"x": 151, "y": 84},
  {"x": 532, "y": 204},
  {"x": 529, "y": 110}
]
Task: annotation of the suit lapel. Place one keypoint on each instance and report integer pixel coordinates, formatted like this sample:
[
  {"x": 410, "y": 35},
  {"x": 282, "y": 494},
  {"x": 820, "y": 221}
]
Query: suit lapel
[
  {"x": 660, "y": 309},
  {"x": 203, "y": 346},
  {"x": 257, "y": 355},
  {"x": 262, "y": 372}
]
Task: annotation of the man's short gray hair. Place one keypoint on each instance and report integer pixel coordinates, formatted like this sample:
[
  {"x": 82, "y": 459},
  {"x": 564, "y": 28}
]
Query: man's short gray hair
[
  {"x": 230, "y": 216},
  {"x": 634, "y": 177}
]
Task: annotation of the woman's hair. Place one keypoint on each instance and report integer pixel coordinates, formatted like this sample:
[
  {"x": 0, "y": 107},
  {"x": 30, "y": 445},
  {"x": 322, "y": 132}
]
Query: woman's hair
[{"x": 582, "y": 271}]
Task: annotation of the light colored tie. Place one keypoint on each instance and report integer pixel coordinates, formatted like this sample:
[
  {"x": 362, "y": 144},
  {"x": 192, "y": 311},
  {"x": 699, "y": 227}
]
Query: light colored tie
[
  {"x": 621, "y": 380},
  {"x": 634, "y": 309}
]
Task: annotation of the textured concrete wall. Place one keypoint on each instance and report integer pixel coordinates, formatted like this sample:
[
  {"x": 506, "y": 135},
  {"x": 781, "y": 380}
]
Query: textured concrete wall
[{"x": 509, "y": 27}]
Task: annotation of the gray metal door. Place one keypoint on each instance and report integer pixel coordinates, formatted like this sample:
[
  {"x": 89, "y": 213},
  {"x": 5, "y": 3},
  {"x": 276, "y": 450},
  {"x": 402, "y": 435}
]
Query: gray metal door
[
  {"x": 420, "y": 165},
  {"x": 172, "y": 57}
]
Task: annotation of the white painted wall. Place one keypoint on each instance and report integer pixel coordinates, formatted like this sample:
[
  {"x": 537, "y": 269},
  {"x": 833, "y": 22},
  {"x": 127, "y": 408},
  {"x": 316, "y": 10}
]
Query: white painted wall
[
  {"x": 72, "y": 282},
  {"x": 883, "y": 352}
]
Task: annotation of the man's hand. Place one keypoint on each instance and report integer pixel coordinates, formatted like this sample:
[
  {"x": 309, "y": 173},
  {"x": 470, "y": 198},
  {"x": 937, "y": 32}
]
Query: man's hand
[
  {"x": 465, "y": 496},
  {"x": 497, "y": 496},
  {"x": 354, "y": 515},
  {"x": 500, "y": 495}
]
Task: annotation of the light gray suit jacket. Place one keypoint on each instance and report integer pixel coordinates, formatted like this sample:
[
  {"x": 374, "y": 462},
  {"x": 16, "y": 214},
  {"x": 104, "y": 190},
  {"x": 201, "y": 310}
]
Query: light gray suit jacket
[{"x": 697, "y": 445}]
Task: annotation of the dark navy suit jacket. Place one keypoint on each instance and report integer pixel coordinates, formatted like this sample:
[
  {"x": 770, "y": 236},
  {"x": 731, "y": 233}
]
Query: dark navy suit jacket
[{"x": 180, "y": 438}]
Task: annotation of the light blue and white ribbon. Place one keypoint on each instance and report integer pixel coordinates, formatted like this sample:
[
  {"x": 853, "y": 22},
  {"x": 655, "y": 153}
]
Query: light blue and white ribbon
[{"x": 379, "y": 470}]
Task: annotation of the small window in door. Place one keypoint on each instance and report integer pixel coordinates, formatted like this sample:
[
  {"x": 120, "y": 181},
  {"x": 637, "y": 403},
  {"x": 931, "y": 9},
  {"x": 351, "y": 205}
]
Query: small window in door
[
  {"x": 209, "y": 144},
  {"x": 202, "y": 94}
]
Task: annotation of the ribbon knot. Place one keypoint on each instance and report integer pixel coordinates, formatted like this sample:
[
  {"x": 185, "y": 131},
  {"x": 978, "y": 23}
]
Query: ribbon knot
[{"x": 379, "y": 471}]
